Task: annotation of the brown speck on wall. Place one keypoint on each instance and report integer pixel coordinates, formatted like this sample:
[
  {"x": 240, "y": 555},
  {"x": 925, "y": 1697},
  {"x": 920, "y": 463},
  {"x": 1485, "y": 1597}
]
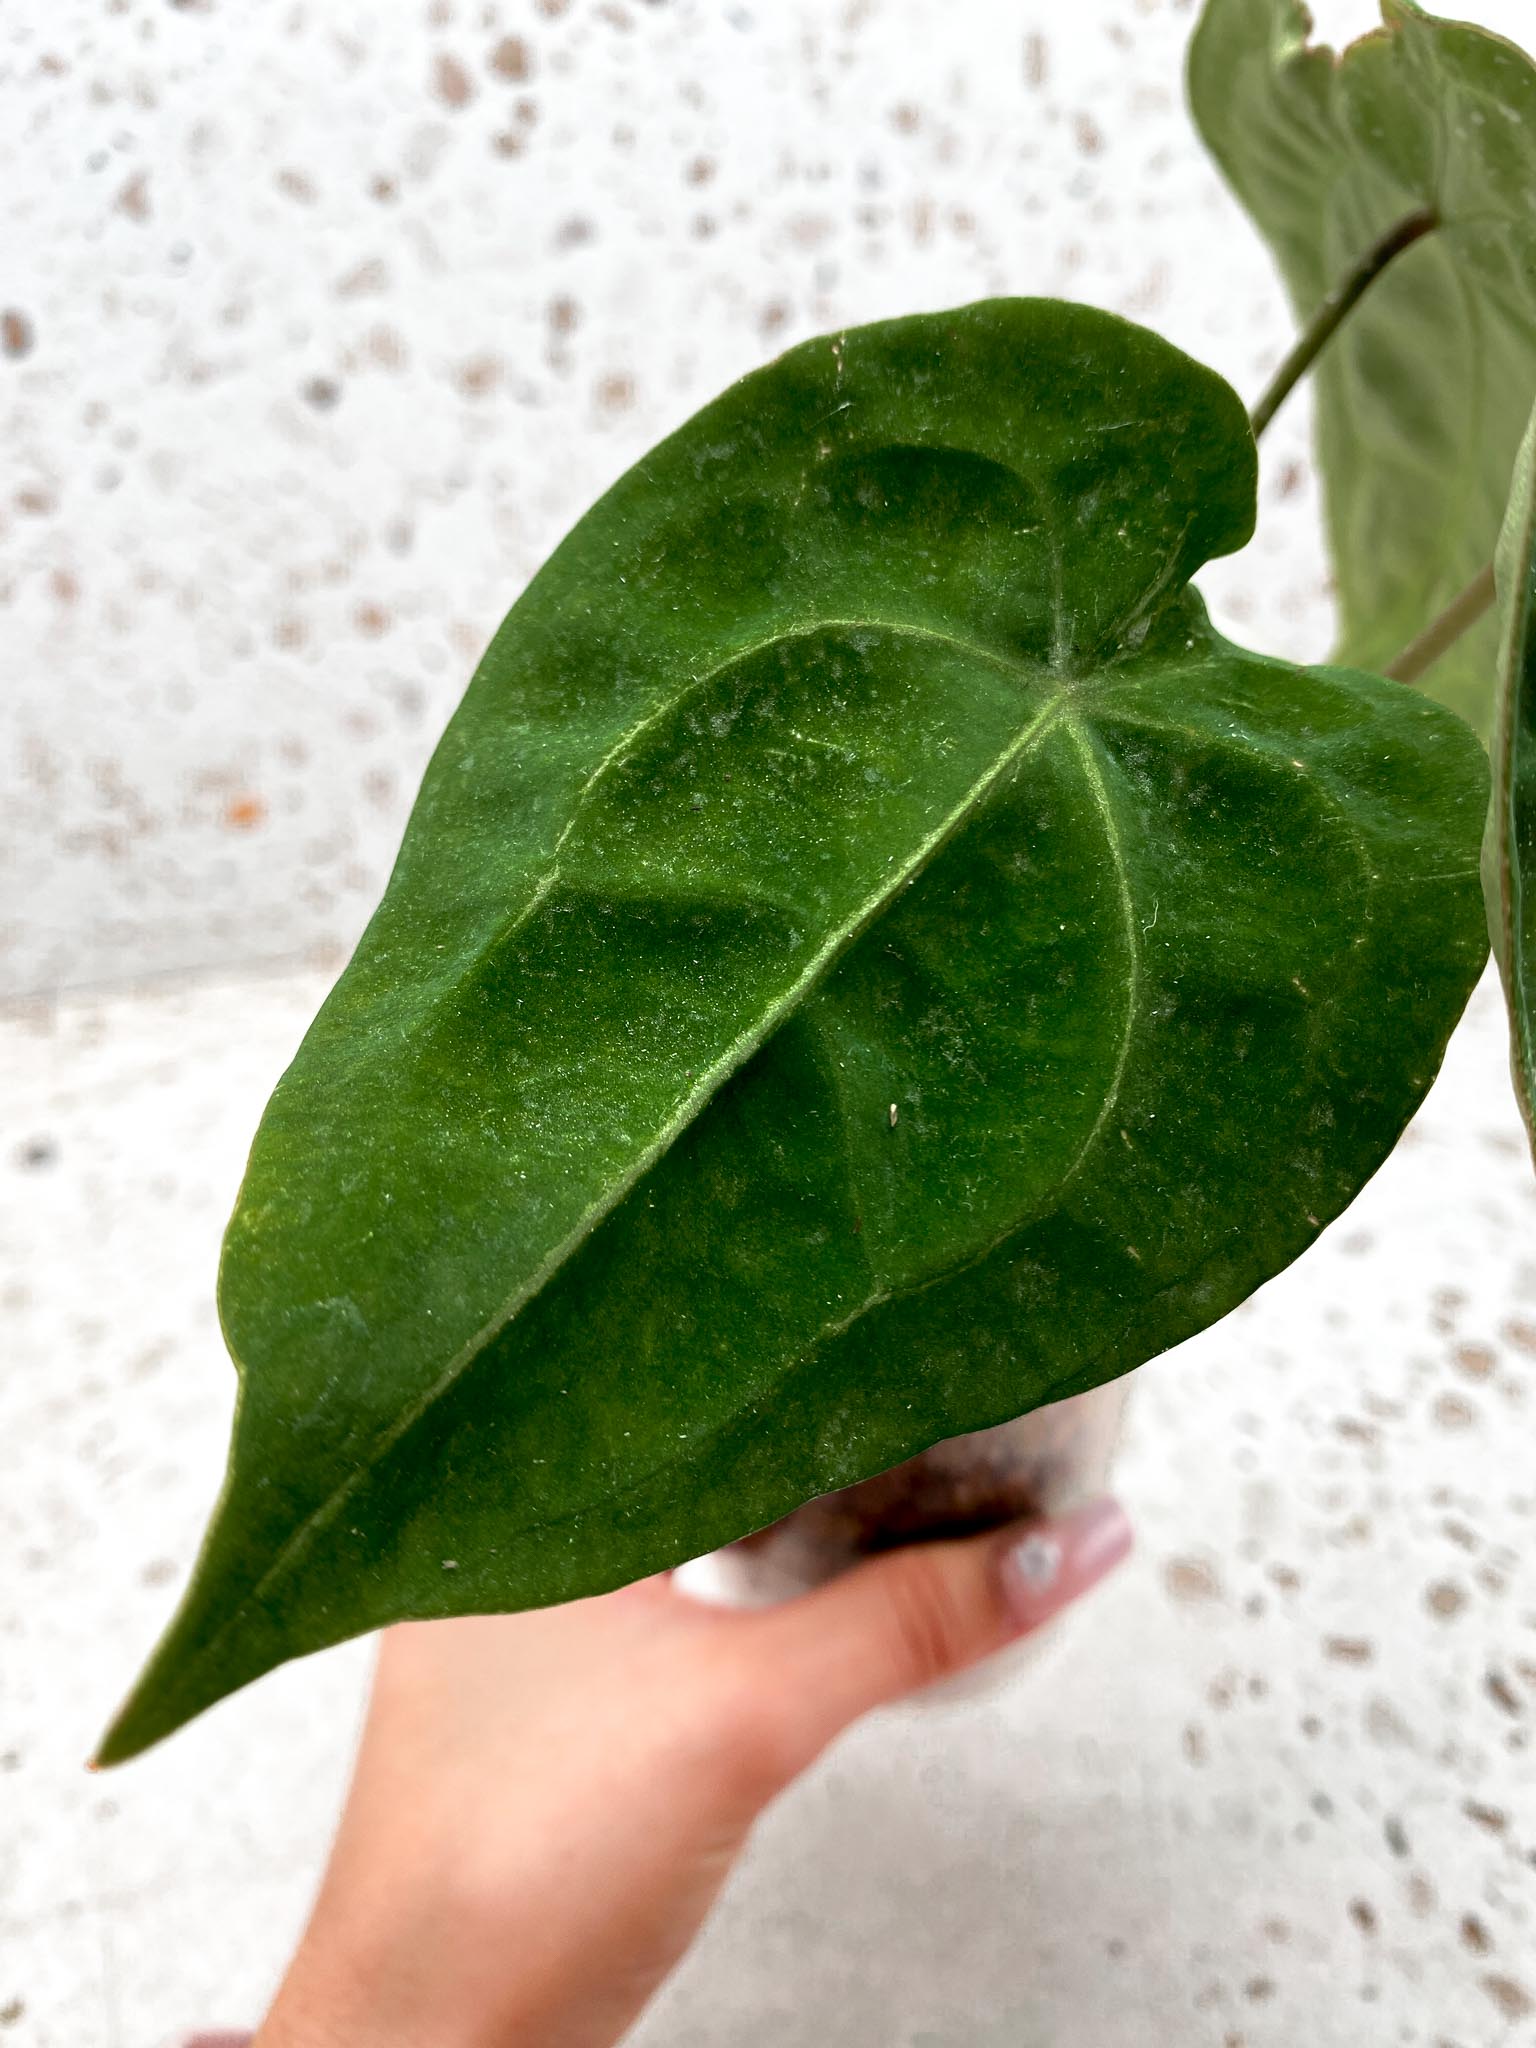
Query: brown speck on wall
[
  {"x": 1385, "y": 1725},
  {"x": 1474, "y": 1935},
  {"x": 479, "y": 376},
  {"x": 371, "y": 275},
  {"x": 16, "y": 333},
  {"x": 133, "y": 200},
  {"x": 510, "y": 59},
  {"x": 1503, "y": 1694},
  {"x": 1452, "y": 1412},
  {"x": 1493, "y": 1818},
  {"x": 1510, "y": 1996},
  {"x": 451, "y": 82},
  {"x": 1189, "y": 1579},
  {"x": 1037, "y": 61},
  {"x": 386, "y": 348}
]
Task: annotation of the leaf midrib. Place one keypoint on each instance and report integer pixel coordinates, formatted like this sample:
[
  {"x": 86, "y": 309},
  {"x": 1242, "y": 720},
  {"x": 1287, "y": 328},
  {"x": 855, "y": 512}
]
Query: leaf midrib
[
  {"x": 1058, "y": 709},
  {"x": 1084, "y": 742},
  {"x": 712, "y": 1078},
  {"x": 1088, "y": 754}
]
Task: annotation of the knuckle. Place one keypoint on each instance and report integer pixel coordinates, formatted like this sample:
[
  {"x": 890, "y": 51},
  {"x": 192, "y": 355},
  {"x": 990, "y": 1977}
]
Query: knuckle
[{"x": 929, "y": 1627}]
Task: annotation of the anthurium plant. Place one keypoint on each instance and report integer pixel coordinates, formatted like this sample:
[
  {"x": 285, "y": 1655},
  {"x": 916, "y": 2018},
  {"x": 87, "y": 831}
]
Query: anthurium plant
[{"x": 868, "y": 957}]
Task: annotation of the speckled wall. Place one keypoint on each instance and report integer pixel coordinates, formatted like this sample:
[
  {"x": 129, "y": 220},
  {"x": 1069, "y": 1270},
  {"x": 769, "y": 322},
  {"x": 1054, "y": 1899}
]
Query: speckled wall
[{"x": 319, "y": 325}]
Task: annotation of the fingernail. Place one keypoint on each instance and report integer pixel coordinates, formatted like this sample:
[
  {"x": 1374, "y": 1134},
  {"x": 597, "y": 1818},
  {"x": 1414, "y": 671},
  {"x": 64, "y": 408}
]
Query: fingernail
[{"x": 1050, "y": 1563}]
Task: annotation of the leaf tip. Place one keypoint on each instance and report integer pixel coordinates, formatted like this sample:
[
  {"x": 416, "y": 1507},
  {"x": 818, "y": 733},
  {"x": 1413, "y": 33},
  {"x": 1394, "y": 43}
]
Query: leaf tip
[{"x": 128, "y": 1734}]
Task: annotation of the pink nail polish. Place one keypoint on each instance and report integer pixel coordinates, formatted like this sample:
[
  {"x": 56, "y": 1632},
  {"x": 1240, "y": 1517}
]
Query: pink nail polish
[{"x": 1050, "y": 1563}]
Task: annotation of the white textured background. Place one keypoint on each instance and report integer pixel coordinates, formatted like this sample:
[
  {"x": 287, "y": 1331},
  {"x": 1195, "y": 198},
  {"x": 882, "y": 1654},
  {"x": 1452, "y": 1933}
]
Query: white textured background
[
  {"x": 318, "y": 326},
  {"x": 327, "y": 323}
]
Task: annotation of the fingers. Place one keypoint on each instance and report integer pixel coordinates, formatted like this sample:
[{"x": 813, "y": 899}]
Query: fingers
[{"x": 919, "y": 1615}]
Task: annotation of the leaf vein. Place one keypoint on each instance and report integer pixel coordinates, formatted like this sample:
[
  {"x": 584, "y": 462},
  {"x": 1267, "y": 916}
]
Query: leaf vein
[{"x": 732, "y": 1057}]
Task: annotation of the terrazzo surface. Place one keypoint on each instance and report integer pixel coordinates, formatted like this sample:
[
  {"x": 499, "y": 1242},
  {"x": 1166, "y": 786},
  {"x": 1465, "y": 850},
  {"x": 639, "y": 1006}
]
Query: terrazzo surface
[
  {"x": 1276, "y": 1787},
  {"x": 319, "y": 329}
]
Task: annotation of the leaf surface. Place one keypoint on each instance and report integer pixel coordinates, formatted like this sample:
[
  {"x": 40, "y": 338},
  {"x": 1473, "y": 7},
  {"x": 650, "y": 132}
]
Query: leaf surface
[
  {"x": 1509, "y": 851},
  {"x": 867, "y": 959},
  {"x": 1422, "y": 396}
]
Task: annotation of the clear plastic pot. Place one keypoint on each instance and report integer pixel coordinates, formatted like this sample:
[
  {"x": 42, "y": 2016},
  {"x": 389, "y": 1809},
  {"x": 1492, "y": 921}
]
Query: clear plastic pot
[{"x": 1042, "y": 1464}]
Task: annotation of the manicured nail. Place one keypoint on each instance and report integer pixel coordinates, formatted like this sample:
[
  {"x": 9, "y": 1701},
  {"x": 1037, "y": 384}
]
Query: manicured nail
[{"x": 1050, "y": 1563}]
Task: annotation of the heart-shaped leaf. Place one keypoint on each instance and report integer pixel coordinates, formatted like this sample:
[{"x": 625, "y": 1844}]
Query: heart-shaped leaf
[
  {"x": 867, "y": 959},
  {"x": 1509, "y": 851},
  {"x": 1422, "y": 395}
]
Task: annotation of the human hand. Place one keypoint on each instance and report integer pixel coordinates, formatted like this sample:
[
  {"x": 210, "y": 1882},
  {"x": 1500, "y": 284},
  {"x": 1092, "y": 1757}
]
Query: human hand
[{"x": 545, "y": 1805}]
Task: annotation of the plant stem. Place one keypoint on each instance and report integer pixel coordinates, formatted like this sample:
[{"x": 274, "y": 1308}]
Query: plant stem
[
  {"x": 1321, "y": 328},
  {"x": 1463, "y": 611}
]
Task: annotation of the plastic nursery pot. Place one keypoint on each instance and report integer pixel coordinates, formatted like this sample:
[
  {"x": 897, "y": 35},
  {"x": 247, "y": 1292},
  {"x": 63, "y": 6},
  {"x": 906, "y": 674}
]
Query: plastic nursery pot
[{"x": 1045, "y": 1463}]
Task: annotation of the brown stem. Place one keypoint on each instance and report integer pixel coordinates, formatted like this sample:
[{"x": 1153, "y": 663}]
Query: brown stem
[
  {"x": 1324, "y": 323},
  {"x": 1463, "y": 612}
]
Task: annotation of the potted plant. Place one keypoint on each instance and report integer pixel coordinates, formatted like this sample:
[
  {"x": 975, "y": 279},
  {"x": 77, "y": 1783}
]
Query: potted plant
[{"x": 869, "y": 961}]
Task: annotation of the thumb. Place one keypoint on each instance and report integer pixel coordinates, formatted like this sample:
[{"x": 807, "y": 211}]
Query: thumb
[{"x": 906, "y": 1620}]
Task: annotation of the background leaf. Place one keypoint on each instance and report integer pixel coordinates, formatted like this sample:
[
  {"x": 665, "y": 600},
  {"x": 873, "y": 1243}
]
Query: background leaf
[
  {"x": 1422, "y": 396},
  {"x": 862, "y": 748},
  {"x": 1509, "y": 851}
]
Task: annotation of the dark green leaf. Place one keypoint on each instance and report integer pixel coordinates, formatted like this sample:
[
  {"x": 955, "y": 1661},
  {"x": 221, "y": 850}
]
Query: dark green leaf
[
  {"x": 1509, "y": 851},
  {"x": 1422, "y": 396},
  {"x": 867, "y": 959}
]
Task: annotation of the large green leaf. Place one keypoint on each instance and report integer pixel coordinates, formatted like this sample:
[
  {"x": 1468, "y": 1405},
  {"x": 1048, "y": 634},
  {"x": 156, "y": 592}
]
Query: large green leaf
[
  {"x": 1422, "y": 396},
  {"x": 867, "y": 959},
  {"x": 1509, "y": 851}
]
